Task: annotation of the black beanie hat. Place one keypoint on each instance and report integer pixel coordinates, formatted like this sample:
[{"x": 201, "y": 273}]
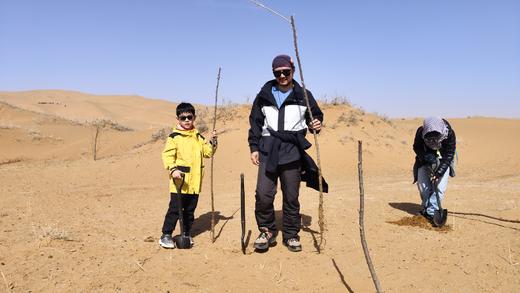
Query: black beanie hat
[{"x": 283, "y": 61}]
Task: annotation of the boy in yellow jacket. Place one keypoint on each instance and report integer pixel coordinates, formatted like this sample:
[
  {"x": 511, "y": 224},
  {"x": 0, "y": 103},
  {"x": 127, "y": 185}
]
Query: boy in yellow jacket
[{"x": 183, "y": 153}]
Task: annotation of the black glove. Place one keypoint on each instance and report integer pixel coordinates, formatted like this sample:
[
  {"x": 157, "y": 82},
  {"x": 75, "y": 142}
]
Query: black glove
[{"x": 429, "y": 158}]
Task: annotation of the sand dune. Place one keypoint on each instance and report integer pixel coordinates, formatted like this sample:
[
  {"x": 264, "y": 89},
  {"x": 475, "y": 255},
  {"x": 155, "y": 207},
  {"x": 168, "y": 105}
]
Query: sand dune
[{"x": 70, "y": 223}]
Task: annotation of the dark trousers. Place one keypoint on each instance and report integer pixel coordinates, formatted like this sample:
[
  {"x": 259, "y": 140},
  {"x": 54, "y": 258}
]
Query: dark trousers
[
  {"x": 189, "y": 203},
  {"x": 289, "y": 175}
]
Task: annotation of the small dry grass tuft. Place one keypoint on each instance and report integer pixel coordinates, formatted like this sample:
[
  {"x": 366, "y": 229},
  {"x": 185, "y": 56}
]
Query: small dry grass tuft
[
  {"x": 160, "y": 135},
  {"x": 10, "y": 161},
  {"x": 106, "y": 123},
  {"x": 227, "y": 113},
  {"x": 54, "y": 233},
  {"x": 338, "y": 101},
  {"x": 8, "y": 126},
  {"x": 202, "y": 126}
]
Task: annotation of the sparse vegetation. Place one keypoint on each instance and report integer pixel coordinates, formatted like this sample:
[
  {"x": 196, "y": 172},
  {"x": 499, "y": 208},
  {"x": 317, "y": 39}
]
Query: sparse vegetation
[
  {"x": 350, "y": 119},
  {"x": 8, "y": 126},
  {"x": 52, "y": 103},
  {"x": 346, "y": 139},
  {"x": 202, "y": 126},
  {"x": 35, "y": 134},
  {"x": 227, "y": 113},
  {"x": 338, "y": 101},
  {"x": 109, "y": 124},
  {"x": 100, "y": 124},
  {"x": 386, "y": 120},
  {"x": 161, "y": 134},
  {"x": 10, "y": 161},
  {"x": 54, "y": 233}
]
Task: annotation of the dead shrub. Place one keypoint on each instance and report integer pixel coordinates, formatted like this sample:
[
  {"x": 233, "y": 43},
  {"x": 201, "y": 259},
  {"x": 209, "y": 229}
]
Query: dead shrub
[
  {"x": 54, "y": 233},
  {"x": 10, "y": 161},
  {"x": 351, "y": 119}
]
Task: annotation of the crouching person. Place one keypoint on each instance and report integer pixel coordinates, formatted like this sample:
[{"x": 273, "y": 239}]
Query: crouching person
[
  {"x": 183, "y": 158},
  {"x": 434, "y": 146}
]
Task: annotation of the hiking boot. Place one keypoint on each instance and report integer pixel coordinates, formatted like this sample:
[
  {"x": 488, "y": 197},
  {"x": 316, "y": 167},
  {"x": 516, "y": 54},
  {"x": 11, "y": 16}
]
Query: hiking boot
[
  {"x": 166, "y": 241},
  {"x": 264, "y": 240},
  {"x": 293, "y": 244}
]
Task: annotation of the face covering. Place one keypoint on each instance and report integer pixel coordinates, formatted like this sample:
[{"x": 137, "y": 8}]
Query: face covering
[{"x": 436, "y": 124}]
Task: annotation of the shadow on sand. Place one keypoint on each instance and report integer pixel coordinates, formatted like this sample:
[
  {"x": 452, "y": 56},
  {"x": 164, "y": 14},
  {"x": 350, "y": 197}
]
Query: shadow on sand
[
  {"x": 203, "y": 223},
  {"x": 413, "y": 209}
]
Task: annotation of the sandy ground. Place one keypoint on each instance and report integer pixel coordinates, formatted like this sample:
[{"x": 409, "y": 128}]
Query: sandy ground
[{"x": 72, "y": 224}]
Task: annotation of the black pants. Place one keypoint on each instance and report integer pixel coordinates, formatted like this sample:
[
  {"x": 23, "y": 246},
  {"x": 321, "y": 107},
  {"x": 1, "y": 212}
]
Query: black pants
[
  {"x": 189, "y": 203},
  {"x": 289, "y": 175}
]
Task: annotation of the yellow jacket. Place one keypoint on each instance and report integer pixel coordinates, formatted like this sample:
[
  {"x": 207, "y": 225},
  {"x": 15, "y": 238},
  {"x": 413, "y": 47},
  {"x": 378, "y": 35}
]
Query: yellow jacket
[{"x": 187, "y": 148}]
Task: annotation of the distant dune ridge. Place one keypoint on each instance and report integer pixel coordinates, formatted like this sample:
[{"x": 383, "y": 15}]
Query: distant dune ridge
[
  {"x": 57, "y": 119},
  {"x": 70, "y": 223}
]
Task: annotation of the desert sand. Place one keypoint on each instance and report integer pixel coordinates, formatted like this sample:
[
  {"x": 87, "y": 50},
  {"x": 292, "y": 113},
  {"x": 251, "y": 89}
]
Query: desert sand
[{"x": 73, "y": 224}]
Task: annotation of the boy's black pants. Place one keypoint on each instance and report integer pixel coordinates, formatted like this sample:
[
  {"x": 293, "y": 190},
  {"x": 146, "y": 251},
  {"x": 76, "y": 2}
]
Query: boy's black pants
[
  {"x": 189, "y": 203},
  {"x": 290, "y": 179}
]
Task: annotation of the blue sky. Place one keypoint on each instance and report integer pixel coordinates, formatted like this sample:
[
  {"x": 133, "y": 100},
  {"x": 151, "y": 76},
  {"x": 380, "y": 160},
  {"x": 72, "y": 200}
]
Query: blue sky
[{"x": 399, "y": 58}]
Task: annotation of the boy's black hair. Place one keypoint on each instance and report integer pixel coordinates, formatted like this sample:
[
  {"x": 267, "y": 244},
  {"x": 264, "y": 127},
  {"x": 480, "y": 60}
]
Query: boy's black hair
[{"x": 185, "y": 108}]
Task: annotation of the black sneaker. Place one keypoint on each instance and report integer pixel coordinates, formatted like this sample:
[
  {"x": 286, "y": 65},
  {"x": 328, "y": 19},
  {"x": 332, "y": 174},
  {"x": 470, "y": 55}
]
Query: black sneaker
[
  {"x": 191, "y": 239},
  {"x": 264, "y": 240},
  {"x": 293, "y": 244},
  {"x": 166, "y": 241}
]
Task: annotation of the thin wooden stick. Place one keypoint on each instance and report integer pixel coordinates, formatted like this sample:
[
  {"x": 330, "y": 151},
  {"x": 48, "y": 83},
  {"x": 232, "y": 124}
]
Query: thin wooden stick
[
  {"x": 361, "y": 221},
  {"x": 243, "y": 213},
  {"x": 270, "y": 10},
  {"x": 510, "y": 257},
  {"x": 212, "y": 158},
  {"x": 140, "y": 266},
  {"x": 5, "y": 281},
  {"x": 321, "y": 216}
]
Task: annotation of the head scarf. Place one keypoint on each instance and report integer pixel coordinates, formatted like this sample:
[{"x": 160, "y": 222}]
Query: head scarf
[{"x": 431, "y": 124}]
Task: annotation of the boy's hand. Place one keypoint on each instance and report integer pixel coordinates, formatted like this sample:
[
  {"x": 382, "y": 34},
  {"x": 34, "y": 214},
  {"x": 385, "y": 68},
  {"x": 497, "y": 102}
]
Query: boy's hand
[
  {"x": 213, "y": 140},
  {"x": 315, "y": 125},
  {"x": 254, "y": 158},
  {"x": 176, "y": 174}
]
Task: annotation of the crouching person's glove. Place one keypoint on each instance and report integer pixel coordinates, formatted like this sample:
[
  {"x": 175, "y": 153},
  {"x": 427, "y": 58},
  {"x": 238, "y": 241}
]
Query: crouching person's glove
[
  {"x": 432, "y": 162},
  {"x": 430, "y": 158}
]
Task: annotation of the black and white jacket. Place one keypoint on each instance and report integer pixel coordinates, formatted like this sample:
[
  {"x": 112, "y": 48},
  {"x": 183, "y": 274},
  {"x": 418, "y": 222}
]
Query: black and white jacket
[{"x": 292, "y": 116}]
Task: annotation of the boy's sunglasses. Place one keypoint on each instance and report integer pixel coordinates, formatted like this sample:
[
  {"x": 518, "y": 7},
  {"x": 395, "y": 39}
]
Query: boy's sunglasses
[
  {"x": 278, "y": 73},
  {"x": 186, "y": 117}
]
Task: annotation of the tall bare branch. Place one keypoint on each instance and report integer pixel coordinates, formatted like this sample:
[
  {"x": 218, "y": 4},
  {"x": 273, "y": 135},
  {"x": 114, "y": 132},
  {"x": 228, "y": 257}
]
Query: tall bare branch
[
  {"x": 212, "y": 159},
  {"x": 361, "y": 216}
]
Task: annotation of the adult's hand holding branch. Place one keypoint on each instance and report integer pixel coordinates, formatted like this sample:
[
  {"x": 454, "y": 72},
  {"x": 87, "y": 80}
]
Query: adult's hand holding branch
[
  {"x": 315, "y": 125},
  {"x": 255, "y": 158}
]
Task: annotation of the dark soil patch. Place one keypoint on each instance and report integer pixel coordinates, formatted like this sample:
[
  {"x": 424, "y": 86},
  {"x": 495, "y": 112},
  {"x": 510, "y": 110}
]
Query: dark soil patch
[{"x": 421, "y": 222}]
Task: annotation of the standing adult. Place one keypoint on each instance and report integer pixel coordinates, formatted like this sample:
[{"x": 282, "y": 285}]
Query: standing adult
[
  {"x": 279, "y": 120},
  {"x": 434, "y": 146}
]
